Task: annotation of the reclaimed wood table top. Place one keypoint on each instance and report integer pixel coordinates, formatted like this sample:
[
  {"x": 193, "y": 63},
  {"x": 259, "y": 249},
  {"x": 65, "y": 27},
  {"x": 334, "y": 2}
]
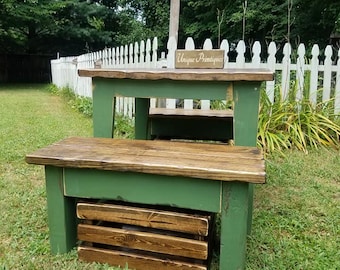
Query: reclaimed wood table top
[
  {"x": 197, "y": 160},
  {"x": 181, "y": 74}
]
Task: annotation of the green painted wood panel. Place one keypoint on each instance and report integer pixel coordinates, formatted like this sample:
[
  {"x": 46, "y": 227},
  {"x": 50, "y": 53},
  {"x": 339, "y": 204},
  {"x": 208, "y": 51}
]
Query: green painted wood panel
[
  {"x": 246, "y": 97},
  {"x": 142, "y": 106},
  {"x": 162, "y": 88},
  {"x": 234, "y": 216},
  {"x": 61, "y": 212},
  {"x": 143, "y": 188},
  {"x": 246, "y": 110}
]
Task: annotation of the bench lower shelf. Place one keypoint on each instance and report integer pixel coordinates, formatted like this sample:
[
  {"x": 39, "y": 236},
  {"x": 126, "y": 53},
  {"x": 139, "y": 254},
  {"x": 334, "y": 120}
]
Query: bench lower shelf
[
  {"x": 143, "y": 238},
  {"x": 133, "y": 261}
]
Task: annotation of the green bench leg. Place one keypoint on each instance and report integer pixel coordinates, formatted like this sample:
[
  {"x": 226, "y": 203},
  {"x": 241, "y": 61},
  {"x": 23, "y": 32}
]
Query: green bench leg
[
  {"x": 246, "y": 108},
  {"x": 104, "y": 104},
  {"x": 142, "y": 130},
  {"x": 61, "y": 213},
  {"x": 234, "y": 216}
]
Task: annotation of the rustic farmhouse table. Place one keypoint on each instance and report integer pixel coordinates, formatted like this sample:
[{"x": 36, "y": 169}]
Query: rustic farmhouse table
[
  {"x": 241, "y": 86},
  {"x": 230, "y": 197}
]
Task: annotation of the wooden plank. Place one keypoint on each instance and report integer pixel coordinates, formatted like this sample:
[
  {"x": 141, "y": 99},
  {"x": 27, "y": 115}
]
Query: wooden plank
[
  {"x": 196, "y": 160},
  {"x": 243, "y": 74},
  {"x": 150, "y": 218},
  {"x": 134, "y": 261},
  {"x": 164, "y": 112},
  {"x": 199, "y": 59},
  {"x": 145, "y": 241}
]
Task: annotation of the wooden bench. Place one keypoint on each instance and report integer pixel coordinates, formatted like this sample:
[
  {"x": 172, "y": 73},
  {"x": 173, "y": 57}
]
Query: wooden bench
[
  {"x": 198, "y": 177},
  {"x": 193, "y": 124}
]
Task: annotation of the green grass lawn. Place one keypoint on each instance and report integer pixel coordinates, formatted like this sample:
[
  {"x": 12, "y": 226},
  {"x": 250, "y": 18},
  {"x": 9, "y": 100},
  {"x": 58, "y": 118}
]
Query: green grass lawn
[{"x": 296, "y": 218}]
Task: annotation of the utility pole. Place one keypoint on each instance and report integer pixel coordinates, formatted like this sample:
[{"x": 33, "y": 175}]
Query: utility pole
[{"x": 174, "y": 18}]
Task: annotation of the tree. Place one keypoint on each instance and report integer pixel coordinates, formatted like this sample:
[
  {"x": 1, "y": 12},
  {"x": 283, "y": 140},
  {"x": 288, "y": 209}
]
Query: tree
[
  {"x": 153, "y": 17},
  {"x": 67, "y": 26},
  {"x": 78, "y": 26},
  {"x": 311, "y": 21}
]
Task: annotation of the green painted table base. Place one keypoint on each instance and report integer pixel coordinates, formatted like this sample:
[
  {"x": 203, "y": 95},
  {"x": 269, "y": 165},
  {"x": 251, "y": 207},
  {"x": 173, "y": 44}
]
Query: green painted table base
[{"x": 230, "y": 199}]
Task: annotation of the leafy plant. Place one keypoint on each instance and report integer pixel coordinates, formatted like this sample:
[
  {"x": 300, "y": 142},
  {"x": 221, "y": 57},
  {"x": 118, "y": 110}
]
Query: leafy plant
[
  {"x": 124, "y": 127},
  {"x": 81, "y": 104},
  {"x": 292, "y": 123}
]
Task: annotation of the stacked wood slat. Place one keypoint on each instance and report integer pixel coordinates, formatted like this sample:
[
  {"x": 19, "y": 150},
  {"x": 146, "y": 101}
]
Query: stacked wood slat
[{"x": 142, "y": 238}]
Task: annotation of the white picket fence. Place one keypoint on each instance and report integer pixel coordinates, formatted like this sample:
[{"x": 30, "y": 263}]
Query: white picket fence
[{"x": 317, "y": 75}]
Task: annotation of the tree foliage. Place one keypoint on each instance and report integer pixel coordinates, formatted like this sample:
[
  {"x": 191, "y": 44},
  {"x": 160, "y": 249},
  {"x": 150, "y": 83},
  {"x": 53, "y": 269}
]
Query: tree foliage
[
  {"x": 312, "y": 21},
  {"x": 78, "y": 26},
  {"x": 67, "y": 26}
]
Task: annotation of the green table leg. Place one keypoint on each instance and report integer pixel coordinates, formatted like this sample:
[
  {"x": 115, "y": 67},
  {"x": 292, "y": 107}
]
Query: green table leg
[
  {"x": 103, "y": 110},
  {"x": 234, "y": 215},
  {"x": 246, "y": 98},
  {"x": 142, "y": 130},
  {"x": 61, "y": 213}
]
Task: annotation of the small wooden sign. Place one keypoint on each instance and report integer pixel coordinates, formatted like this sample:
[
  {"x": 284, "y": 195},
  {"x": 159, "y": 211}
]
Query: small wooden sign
[{"x": 199, "y": 59}]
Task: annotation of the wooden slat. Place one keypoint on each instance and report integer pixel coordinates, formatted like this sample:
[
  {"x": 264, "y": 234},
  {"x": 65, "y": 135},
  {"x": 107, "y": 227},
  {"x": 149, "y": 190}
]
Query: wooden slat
[
  {"x": 164, "y": 112},
  {"x": 196, "y": 160},
  {"x": 145, "y": 241},
  {"x": 150, "y": 218},
  {"x": 181, "y": 74},
  {"x": 134, "y": 261}
]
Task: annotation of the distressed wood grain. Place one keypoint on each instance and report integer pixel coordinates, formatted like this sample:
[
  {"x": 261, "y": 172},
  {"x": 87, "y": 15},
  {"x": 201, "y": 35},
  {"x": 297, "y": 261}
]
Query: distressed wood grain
[{"x": 195, "y": 160}]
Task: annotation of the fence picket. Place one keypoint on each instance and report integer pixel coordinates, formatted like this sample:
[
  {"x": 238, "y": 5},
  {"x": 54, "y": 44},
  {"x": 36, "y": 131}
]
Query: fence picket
[
  {"x": 207, "y": 45},
  {"x": 131, "y": 54},
  {"x": 154, "y": 52},
  {"x": 256, "y": 59},
  {"x": 142, "y": 54},
  {"x": 337, "y": 88},
  {"x": 147, "y": 53},
  {"x": 225, "y": 46},
  {"x": 327, "y": 76},
  {"x": 240, "y": 59},
  {"x": 285, "y": 77},
  {"x": 271, "y": 61},
  {"x": 300, "y": 71},
  {"x": 189, "y": 44},
  {"x": 314, "y": 74}
]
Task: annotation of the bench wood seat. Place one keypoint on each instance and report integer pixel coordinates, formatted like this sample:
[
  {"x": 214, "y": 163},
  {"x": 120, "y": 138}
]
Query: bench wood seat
[{"x": 196, "y": 160}]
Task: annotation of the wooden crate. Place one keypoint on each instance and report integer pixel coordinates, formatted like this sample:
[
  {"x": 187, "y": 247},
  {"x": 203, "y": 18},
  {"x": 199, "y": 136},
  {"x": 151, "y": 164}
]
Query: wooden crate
[{"x": 143, "y": 238}]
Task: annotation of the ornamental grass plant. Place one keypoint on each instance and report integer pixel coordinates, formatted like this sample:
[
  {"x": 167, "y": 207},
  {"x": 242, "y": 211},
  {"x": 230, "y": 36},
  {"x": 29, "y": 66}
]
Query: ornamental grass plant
[{"x": 296, "y": 124}]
